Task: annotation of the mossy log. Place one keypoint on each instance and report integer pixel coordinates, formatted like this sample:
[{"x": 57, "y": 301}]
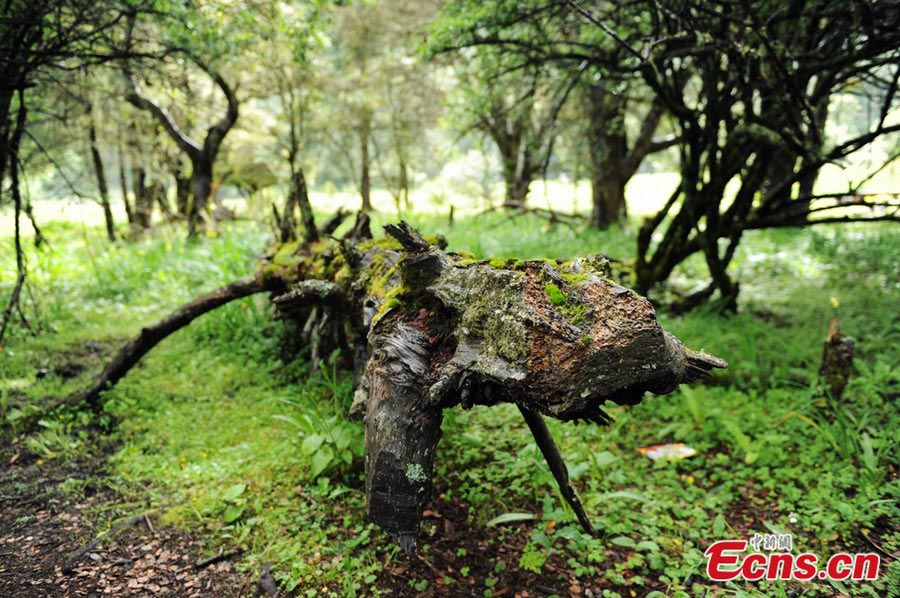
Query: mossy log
[
  {"x": 557, "y": 338},
  {"x": 427, "y": 330}
]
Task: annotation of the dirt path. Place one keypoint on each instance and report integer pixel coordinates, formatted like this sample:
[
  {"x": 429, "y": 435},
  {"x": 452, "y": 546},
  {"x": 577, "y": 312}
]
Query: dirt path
[{"x": 41, "y": 525}]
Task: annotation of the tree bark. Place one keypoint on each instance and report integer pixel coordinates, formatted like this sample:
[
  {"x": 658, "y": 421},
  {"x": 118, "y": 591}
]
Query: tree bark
[
  {"x": 201, "y": 188},
  {"x": 143, "y": 198},
  {"x": 123, "y": 184},
  {"x": 608, "y": 151},
  {"x": 182, "y": 192},
  {"x": 301, "y": 195},
  {"x": 518, "y": 171},
  {"x": 402, "y": 431},
  {"x": 12, "y": 155},
  {"x": 613, "y": 161},
  {"x": 365, "y": 177},
  {"x": 100, "y": 174}
]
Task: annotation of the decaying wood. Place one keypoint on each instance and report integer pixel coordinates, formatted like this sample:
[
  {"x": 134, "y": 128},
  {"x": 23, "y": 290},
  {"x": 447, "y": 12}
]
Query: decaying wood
[
  {"x": 837, "y": 359},
  {"x": 427, "y": 330}
]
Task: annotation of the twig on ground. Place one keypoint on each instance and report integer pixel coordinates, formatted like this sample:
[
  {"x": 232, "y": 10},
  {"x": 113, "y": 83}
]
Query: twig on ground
[
  {"x": 69, "y": 566},
  {"x": 218, "y": 558}
]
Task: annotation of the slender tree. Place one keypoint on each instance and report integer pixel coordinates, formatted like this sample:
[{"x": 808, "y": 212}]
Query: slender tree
[
  {"x": 100, "y": 174},
  {"x": 529, "y": 34}
]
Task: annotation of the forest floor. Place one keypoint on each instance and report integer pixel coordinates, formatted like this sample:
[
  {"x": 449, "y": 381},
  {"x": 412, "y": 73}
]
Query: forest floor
[
  {"x": 234, "y": 445},
  {"x": 42, "y": 529}
]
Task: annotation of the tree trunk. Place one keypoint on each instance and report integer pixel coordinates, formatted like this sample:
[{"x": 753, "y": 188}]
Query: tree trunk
[
  {"x": 365, "y": 180},
  {"x": 201, "y": 189},
  {"x": 607, "y": 197},
  {"x": 516, "y": 192},
  {"x": 404, "y": 184},
  {"x": 182, "y": 192},
  {"x": 202, "y": 155},
  {"x": 429, "y": 330},
  {"x": 310, "y": 232},
  {"x": 609, "y": 153},
  {"x": 123, "y": 183},
  {"x": 402, "y": 431},
  {"x": 12, "y": 143},
  {"x": 297, "y": 198},
  {"x": 100, "y": 173},
  {"x": 143, "y": 198},
  {"x": 517, "y": 175}
]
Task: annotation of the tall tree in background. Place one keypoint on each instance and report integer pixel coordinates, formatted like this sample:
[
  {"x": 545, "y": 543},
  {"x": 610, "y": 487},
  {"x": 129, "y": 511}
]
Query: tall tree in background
[
  {"x": 289, "y": 46},
  {"x": 202, "y": 154},
  {"x": 381, "y": 97},
  {"x": 517, "y": 108},
  {"x": 745, "y": 85},
  {"x": 411, "y": 98},
  {"x": 100, "y": 173},
  {"x": 356, "y": 38},
  {"x": 615, "y": 158},
  {"x": 527, "y": 35},
  {"x": 192, "y": 34},
  {"x": 758, "y": 78}
]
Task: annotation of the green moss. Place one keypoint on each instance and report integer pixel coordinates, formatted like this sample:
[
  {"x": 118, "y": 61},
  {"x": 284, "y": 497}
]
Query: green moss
[
  {"x": 574, "y": 278},
  {"x": 556, "y": 296},
  {"x": 286, "y": 254},
  {"x": 586, "y": 339},
  {"x": 392, "y": 300},
  {"x": 574, "y": 312},
  {"x": 385, "y": 242},
  {"x": 501, "y": 263},
  {"x": 436, "y": 240},
  {"x": 490, "y": 305}
]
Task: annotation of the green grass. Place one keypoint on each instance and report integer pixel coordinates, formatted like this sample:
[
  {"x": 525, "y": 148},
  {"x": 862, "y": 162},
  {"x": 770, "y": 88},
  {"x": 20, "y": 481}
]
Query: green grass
[{"x": 220, "y": 434}]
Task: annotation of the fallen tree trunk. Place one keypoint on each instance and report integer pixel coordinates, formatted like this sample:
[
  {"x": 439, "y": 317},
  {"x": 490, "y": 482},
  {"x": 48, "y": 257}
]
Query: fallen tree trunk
[{"x": 428, "y": 330}]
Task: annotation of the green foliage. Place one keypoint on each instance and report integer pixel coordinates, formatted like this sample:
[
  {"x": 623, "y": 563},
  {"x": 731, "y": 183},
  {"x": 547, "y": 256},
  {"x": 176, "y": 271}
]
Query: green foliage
[{"x": 533, "y": 558}]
